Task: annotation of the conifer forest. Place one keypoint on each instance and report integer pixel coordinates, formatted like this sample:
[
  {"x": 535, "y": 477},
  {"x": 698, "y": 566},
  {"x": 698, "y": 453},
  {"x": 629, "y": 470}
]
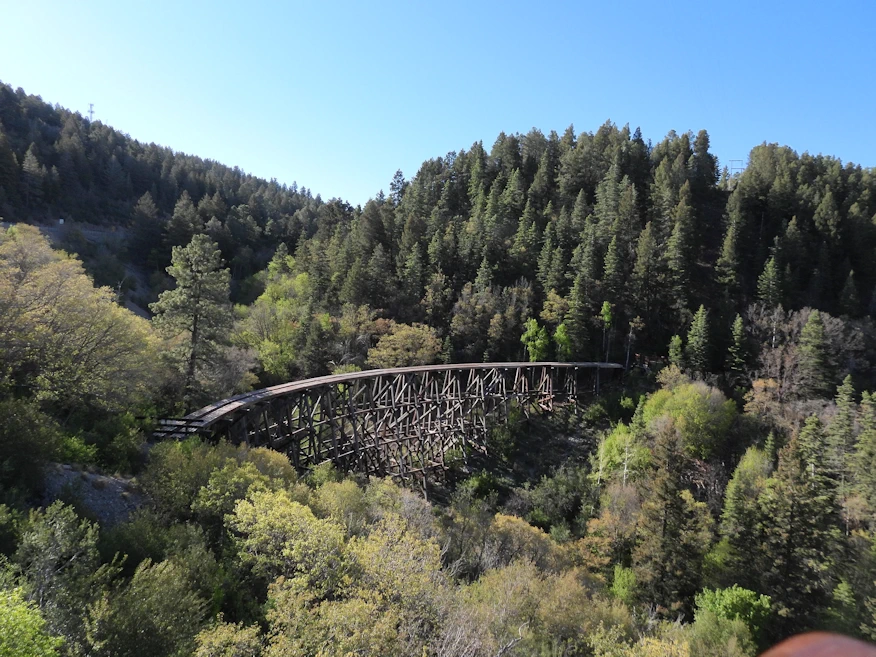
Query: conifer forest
[{"x": 718, "y": 497}]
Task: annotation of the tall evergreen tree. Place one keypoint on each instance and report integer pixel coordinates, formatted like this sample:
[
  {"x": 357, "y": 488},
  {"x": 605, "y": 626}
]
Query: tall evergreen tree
[
  {"x": 197, "y": 312},
  {"x": 698, "y": 349},
  {"x": 739, "y": 518},
  {"x": 727, "y": 266},
  {"x": 645, "y": 273},
  {"x": 864, "y": 456},
  {"x": 769, "y": 289},
  {"x": 184, "y": 223},
  {"x": 841, "y": 440},
  {"x": 799, "y": 533},
  {"x": 33, "y": 175},
  {"x": 8, "y": 170},
  {"x": 673, "y": 531},
  {"x": 578, "y": 317},
  {"x": 612, "y": 278},
  {"x": 679, "y": 253},
  {"x": 737, "y": 354},
  {"x": 849, "y": 303},
  {"x": 814, "y": 372}
]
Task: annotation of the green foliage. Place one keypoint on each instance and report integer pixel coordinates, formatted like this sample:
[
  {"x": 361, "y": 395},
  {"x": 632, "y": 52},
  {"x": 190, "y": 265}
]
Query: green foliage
[
  {"x": 769, "y": 289},
  {"x": 736, "y": 603},
  {"x": 178, "y": 470},
  {"x": 714, "y": 634},
  {"x": 798, "y": 533},
  {"x": 622, "y": 454},
  {"x": 674, "y": 531},
  {"x": 156, "y": 613},
  {"x": 675, "y": 351},
  {"x": 536, "y": 341},
  {"x": 740, "y": 518},
  {"x": 563, "y": 340},
  {"x": 697, "y": 352},
  {"x": 226, "y": 486},
  {"x": 278, "y": 536},
  {"x": 556, "y": 499},
  {"x": 814, "y": 369},
  {"x": 196, "y": 314},
  {"x": 701, "y": 414},
  {"x": 623, "y": 585},
  {"x": 345, "y": 503},
  {"x": 58, "y": 559},
  {"x": 28, "y": 438},
  {"x": 229, "y": 640},
  {"x": 405, "y": 346},
  {"x": 737, "y": 354},
  {"x": 65, "y": 342},
  {"x": 23, "y": 629}
]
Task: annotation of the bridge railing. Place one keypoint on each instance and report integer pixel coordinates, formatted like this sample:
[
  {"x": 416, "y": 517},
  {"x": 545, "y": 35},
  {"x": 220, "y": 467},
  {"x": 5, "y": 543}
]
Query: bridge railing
[{"x": 390, "y": 421}]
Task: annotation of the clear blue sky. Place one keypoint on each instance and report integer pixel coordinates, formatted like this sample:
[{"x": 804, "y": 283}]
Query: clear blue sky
[{"x": 338, "y": 95}]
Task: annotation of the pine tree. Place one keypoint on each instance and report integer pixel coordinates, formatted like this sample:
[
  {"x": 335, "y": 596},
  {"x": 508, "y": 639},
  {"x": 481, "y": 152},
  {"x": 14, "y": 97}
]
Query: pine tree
[
  {"x": 577, "y": 319},
  {"x": 675, "y": 351},
  {"x": 197, "y": 311},
  {"x": 679, "y": 252},
  {"x": 827, "y": 217},
  {"x": 799, "y": 533},
  {"x": 184, "y": 223},
  {"x": 524, "y": 249},
  {"x": 411, "y": 280},
  {"x": 864, "y": 456},
  {"x": 841, "y": 439},
  {"x": 8, "y": 169},
  {"x": 849, "y": 303},
  {"x": 645, "y": 272},
  {"x": 380, "y": 280},
  {"x": 354, "y": 289},
  {"x": 147, "y": 227},
  {"x": 737, "y": 354},
  {"x": 739, "y": 518},
  {"x": 769, "y": 289},
  {"x": 33, "y": 175},
  {"x": 697, "y": 351},
  {"x": 546, "y": 256},
  {"x": 612, "y": 278},
  {"x": 673, "y": 530},
  {"x": 727, "y": 266},
  {"x": 814, "y": 372}
]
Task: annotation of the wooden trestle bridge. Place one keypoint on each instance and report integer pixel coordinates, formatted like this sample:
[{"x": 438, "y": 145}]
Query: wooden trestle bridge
[{"x": 395, "y": 422}]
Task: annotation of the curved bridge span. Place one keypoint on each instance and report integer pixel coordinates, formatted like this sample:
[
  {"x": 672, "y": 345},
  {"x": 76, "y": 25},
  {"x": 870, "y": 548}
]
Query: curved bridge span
[{"x": 392, "y": 421}]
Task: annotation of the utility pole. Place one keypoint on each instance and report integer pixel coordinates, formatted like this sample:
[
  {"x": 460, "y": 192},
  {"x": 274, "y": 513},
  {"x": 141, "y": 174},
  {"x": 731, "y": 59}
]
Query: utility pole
[{"x": 90, "y": 112}]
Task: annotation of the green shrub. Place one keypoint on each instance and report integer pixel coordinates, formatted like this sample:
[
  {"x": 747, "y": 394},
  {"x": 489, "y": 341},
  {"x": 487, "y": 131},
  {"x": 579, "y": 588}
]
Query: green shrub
[
  {"x": 556, "y": 500},
  {"x": 702, "y": 414},
  {"x": 23, "y": 629},
  {"x": 623, "y": 587},
  {"x": 28, "y": 439},
  {"x": 156, "y": 614},
  {"x": 73, "y": 449},
  {"x": 178, "y": 470},
  {"x": 736, "y": 603}
]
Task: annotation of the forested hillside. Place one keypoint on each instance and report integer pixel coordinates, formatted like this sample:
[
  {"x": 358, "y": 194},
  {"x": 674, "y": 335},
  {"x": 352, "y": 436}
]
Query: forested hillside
[{"x": 721, "y": 497}]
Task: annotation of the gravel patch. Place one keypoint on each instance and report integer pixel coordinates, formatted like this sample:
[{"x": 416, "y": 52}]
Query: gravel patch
[{"x": 109, "y": 500}]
